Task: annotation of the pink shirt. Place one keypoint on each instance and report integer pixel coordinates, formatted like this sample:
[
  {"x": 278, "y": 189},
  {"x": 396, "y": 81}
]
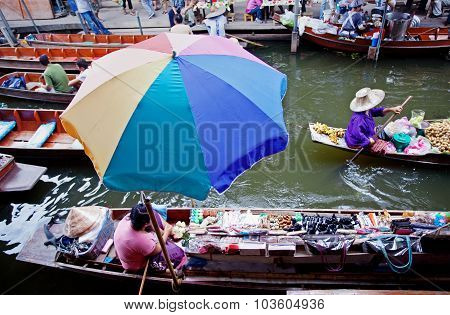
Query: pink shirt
[
  {"x": 133, "y": 247},
  {"x": 253, "y": 4}
]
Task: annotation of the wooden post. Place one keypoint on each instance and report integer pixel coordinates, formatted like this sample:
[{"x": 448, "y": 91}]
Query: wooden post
[
  {"x": 29, "y": 15},
  {"x": 139, "y": 22},
  {"x": 294, "y": 38},
  {"x": 380, "y": 38}
]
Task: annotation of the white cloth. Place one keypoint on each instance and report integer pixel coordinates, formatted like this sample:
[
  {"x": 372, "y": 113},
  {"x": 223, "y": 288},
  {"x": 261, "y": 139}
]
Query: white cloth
[
  {"x": 216, "y": 26},
  {"x": 318, "y": 26},
  {"x": 83, "y": 6}
]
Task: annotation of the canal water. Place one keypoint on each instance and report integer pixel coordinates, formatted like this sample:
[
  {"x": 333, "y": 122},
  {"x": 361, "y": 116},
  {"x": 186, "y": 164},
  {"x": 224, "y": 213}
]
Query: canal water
[{"x": 321, "y": 85}]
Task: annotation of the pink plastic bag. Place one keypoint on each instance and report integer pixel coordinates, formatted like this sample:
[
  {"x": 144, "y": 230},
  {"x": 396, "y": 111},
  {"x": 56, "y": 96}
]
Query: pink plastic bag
[{"x": 418, "y": 146}]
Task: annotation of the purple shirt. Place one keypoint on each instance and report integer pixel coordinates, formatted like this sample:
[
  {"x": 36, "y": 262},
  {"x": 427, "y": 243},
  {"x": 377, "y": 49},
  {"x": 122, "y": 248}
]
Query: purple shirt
[{"x": 362, "y": 127}]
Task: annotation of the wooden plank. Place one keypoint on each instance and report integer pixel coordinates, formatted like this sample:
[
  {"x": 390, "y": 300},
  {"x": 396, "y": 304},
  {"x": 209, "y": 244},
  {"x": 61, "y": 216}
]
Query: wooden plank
[
  {"x": 12, "y": 9},
  {"x": 34, "y": 250},
  {"x": 39, "y": 9}
]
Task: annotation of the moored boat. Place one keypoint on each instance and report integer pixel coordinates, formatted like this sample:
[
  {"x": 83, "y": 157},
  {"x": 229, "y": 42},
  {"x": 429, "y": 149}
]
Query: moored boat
[
  {"x": 33, "y": 81},
  {"x": 438, "y": 159},
  {"x": 257, "y": 269},
  {"x": 85, "y": 40},
  {"x": 27, "y": 59},
  {"x": 424, "y": 41},
  {"x": 43, "y": 128},
  {"x": 419, "y": 41},
  {"x": 17, "y": 176}
]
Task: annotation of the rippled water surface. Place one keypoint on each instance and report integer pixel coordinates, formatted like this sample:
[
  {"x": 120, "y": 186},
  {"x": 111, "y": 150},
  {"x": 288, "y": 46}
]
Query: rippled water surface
[{"x": 320, "y": 87}]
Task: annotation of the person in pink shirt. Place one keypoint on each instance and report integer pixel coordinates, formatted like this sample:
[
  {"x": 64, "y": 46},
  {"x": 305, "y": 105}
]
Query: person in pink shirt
[
  {"x": 136, "y": 242},
  {"x": 254, "y": 8}
]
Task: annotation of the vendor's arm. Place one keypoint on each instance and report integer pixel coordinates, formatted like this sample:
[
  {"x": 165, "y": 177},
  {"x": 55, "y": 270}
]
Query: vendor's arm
[
  {"x": 75, "y": 82},
  {"x": 166, "y": 233},
  {"x": 396, "y": 110},
  {"x": 48, "y": 82}
]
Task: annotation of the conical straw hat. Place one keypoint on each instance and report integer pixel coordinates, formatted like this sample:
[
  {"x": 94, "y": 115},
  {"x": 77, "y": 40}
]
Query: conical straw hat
[
  {"x": 366, "y": 99},
  {"x": 82, "y": 220}
]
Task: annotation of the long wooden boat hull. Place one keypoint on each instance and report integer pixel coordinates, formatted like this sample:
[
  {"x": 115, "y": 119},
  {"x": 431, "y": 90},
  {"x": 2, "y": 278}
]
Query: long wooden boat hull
[
  {"x": 257, "y": 272},
  {"x": 92, "y": 38},
  {"x": 398, "y": 48},
  {"x": 54, "y": 98},
  {"x": 58, "y": 147},
  {"x": 86, "y": 40},
  {"x": 27, "y": 59},
  {"x": 427, "y": 159}
]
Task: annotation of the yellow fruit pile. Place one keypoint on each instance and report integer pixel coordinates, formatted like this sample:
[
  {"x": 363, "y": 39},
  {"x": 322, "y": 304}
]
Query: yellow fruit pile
[
  {"x": 439, "y": 135},
  {"x": 333, "y": 133}
]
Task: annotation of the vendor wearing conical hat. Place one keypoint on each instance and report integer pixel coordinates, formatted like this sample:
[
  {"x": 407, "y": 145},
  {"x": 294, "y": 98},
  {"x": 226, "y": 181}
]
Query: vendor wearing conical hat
[{"x": 361, "y": 128}]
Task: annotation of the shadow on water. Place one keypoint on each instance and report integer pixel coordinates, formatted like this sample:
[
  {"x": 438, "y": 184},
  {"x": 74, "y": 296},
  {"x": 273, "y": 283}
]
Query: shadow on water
[{"x": 321, "y": 85}]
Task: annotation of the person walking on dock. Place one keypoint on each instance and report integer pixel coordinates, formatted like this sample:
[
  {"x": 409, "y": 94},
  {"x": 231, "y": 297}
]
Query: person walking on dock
[
  {"x": 130, "y": 7},
  {"x": 85, "y": 10},
  {"x": 148, "y": 6}
]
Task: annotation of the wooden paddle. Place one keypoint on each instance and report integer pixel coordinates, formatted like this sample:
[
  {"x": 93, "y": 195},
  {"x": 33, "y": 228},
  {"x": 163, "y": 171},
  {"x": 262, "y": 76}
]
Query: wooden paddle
[
  {"x": 246, "y": 41},
  {"x": 381, "y": 129},
  {"x": 144, "y": 276}
]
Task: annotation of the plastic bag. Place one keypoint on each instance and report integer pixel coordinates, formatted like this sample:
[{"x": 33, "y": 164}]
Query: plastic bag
[
  {"x": 287, "y": 19},
  {"x": 394, "y": 248},
  {"x": 325, "y": 245},
  {"x": 418, "y": 146},
  {"x": 400, "y": 126}
]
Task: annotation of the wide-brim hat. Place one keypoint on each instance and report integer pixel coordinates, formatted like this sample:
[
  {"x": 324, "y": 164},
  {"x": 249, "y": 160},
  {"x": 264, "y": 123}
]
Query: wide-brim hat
[
  {"x": 218, "y": 12},
  {"x": 82, "y": 220},
  {"x": 366, "y": 99}
]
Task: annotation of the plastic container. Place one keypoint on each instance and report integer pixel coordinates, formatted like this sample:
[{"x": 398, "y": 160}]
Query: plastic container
[
  {"x": 417, "y": 116},
  {"x": 397, "y": 24},
  {"x": 375, "y": 39},
  {"x": 401, "y": 141}
]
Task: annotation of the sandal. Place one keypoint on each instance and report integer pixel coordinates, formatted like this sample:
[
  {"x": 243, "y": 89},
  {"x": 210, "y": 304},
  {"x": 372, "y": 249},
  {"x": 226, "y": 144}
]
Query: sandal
[
  {"x": 133, "y": 12},
  {"x": 124, "y": 11}
]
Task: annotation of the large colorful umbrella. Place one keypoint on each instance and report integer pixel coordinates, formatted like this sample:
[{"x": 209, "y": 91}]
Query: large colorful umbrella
[{"x": 179, "y": 113}]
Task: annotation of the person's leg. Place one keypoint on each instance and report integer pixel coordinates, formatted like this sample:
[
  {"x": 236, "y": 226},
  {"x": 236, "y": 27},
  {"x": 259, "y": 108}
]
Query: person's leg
[
  {"x": 147, "y": 4},
  {"x": 437, "y": 8},
  {"x": 87, "y": 16},
  {"x": 191, "y": 16},
  {"x": 99, "y": 25},
  {"x": 323, "y": 7},
  {"x": 171, "y": 15},
  {"x": 259, "y": 13}
]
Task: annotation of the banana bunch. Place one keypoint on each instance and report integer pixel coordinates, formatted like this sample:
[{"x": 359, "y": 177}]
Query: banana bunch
[{"x": 333, "y": 133}]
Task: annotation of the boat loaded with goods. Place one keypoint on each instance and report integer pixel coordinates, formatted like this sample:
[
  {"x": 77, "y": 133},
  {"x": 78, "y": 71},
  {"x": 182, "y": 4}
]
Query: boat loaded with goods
[
  {"x": 398, "y": 37},
  {"x": 251, "y": 247},
  {"x": 414, "y": 140}
]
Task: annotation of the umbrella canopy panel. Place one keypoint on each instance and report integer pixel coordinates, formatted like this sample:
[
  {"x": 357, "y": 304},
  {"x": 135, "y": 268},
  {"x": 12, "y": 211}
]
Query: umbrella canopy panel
[{"x": 178, "y": 113}]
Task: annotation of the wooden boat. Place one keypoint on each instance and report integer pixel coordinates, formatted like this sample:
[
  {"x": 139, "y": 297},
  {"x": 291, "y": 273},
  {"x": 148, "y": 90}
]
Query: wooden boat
[
  {"x": 86, "y": 40},
  {"x": 427, "y": 41},
  {"x": 257, "y": 272},
  {"x": 439, "y": 159},
  {"x": 58, "y": 146},
  {"x": 33, "y": 80},
  {"x": 27, "y": 59},
  {"x": 17, "y": 176}
]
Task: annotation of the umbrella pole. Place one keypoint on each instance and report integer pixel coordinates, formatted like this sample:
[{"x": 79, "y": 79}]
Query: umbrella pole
[{"x": 148, "y": 206}]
